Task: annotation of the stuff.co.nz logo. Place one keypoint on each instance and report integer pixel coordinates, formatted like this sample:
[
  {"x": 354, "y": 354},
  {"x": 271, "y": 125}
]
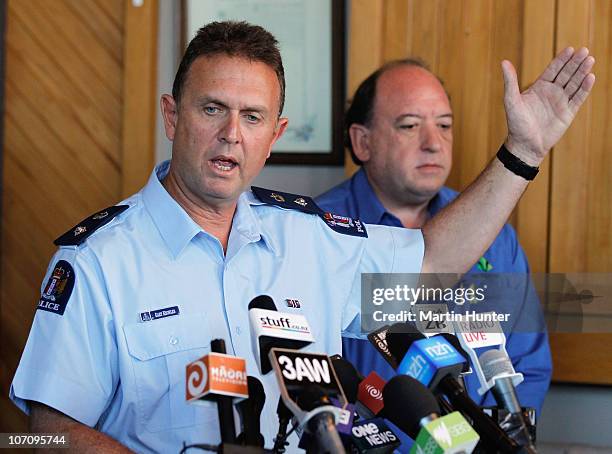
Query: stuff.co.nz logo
[
  {"x": 374, "y": 392},
  {"x": 283, "y": 323}
]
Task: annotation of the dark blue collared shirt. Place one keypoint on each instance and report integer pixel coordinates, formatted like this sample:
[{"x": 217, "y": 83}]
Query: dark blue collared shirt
[{"x": 530, "y": 352}]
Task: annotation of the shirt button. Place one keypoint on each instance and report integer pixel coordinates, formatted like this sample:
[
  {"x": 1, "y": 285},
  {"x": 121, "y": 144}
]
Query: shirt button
[
  {"x": 173, "y": 340},
  {"x": 238, "y": 330}
]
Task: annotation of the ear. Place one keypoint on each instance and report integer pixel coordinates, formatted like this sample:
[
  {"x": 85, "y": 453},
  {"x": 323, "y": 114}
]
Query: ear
[
  {"x": 281, "y": 126},
  {"x": 169, "y": 111},
  {"x": 360, "y": 139}
]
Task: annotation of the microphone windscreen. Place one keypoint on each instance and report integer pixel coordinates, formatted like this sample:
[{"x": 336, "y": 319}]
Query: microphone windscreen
[
  {"x": 400, "y": 337},
  {"x": 257, "y": 395},
  {"x": 262, "y": 302},
  {"x": 495, "y": 362},
  {"x": 348, "y": 377},
  {"x": 407, "y": 401}
]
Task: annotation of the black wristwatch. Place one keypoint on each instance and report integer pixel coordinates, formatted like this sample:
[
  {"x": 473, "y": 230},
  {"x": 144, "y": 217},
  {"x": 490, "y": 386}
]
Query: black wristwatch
[{"x": 516, "y": 165}]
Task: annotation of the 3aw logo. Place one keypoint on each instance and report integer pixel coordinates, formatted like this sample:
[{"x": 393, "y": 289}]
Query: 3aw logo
[{"x": 312, "y": 370}]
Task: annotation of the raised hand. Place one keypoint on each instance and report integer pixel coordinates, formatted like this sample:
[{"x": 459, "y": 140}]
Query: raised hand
[{"x": 538, "y": 117}]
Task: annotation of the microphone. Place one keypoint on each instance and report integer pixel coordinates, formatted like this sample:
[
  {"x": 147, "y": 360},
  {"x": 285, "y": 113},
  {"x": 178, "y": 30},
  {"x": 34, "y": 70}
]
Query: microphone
[
  {"x": 220, "y": 378},
  {"x": 497, "y": 368},
  {"x": 373, "y": 436},
  {"x": 270, "y": 328},
  {"x": 411, "y": 406},
  {"x": 307, "y": 382},
  {"x": 322, "y": 422},
  {"x": 250, "y": 414},
  {"x": 348, "y": 376},
  {"x": 378, "y": 339},
  {"x": 435, "y": 363},
  {"x": 369, "y": 396}
]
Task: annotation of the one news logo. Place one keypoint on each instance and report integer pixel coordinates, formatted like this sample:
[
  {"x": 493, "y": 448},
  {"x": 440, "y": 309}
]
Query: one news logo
[{"x": 374, "y": 432}]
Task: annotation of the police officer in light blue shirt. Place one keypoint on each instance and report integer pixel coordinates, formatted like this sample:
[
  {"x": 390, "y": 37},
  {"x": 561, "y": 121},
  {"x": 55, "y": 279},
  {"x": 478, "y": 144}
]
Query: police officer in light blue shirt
[{"x": 138, "y": 290}]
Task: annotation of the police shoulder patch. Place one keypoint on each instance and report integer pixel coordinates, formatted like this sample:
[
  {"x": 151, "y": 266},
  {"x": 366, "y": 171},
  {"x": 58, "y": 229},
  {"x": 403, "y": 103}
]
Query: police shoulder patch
[
  {"x": 287, "y": 200},
  {"x": 83, "y": 230},
  {"x": 58, "y": 289},
  {"x": 344, "y": 224}
]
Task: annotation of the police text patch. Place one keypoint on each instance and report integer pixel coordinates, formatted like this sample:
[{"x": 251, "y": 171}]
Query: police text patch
[{"x": 59, "y": 287}]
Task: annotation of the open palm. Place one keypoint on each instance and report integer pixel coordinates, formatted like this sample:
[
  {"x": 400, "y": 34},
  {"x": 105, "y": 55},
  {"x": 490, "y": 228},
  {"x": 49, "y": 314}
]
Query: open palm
[{"x": 538, "y": 117}]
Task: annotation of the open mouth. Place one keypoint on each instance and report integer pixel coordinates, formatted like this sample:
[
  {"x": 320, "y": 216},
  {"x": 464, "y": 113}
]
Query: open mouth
[{"x": 224, "y": 163}]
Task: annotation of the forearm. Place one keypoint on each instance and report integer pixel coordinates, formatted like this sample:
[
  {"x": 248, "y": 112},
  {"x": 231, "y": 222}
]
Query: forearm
[
  {"x": 459, "y": 235},
  {"x": 83, "y": 439}
]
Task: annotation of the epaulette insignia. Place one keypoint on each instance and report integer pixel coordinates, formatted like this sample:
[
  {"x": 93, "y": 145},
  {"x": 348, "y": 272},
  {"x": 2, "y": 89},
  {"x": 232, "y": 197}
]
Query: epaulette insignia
[
  {"x": 344, "y": 224},
  {"x": 287, "y": 200},
  {"x": 340, "y": 224},
  {"x": 80, "y": 232}
]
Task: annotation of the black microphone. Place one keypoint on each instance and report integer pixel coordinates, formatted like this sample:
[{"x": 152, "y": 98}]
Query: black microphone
[
  {"x": 225, "y": 408},
  {"x": 496, "y": 367},
  {"x": 348, "y": 376},
  {"x": 322, "y": 424},
  {"x": 250, "y": 414},
  {"x": 413, "y": 408}
]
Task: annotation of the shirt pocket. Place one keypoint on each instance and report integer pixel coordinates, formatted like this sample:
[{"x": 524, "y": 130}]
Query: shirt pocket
[{"x": 160, "y": 351}]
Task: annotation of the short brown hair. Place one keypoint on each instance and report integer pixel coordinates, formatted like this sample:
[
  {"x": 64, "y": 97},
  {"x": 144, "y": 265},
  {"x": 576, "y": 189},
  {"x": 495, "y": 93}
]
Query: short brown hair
[{"x": 235, "y": 39}]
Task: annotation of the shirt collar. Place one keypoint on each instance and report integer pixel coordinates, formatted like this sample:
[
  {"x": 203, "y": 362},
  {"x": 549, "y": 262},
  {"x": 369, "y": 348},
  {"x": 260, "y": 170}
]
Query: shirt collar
[
  {"x": 173, "y": 223},
  {"x": 177, "y": 228},
  {"x": 372, "y": 211}
]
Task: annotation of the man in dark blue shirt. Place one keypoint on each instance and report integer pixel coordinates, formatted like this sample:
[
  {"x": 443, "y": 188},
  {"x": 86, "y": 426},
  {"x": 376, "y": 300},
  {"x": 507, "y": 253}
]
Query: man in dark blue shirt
[{"x": 399, "y": 129}]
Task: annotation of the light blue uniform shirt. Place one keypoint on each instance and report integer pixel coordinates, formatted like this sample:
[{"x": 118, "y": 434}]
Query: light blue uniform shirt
[{"x": 99, "y": 364}]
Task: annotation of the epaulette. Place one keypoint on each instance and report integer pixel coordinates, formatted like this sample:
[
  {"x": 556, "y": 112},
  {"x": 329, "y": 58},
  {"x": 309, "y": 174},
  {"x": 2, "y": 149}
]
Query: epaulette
[
  {"x": 80, "y": 232},
  {"x": 287, "y": 200},
  {"x": 340, "y": 224}
]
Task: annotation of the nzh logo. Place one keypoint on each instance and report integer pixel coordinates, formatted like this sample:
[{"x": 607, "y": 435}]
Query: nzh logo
[{"x": 438, "y": 350}]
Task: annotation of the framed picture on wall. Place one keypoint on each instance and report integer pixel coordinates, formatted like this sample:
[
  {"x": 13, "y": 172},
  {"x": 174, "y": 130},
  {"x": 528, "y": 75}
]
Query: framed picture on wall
[{"x": 311, "y": 38}]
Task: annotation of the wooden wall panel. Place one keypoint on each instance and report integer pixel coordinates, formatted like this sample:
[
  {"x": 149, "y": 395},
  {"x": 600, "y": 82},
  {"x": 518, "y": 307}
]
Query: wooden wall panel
[
  {"x": 581, "y": 196},
  {"x": 537, "y": 49},
  {"x": 65, "y": 135}
]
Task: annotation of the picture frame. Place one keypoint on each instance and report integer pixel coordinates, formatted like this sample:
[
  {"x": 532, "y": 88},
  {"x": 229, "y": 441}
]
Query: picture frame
[{"x": 311, "y": 35}]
